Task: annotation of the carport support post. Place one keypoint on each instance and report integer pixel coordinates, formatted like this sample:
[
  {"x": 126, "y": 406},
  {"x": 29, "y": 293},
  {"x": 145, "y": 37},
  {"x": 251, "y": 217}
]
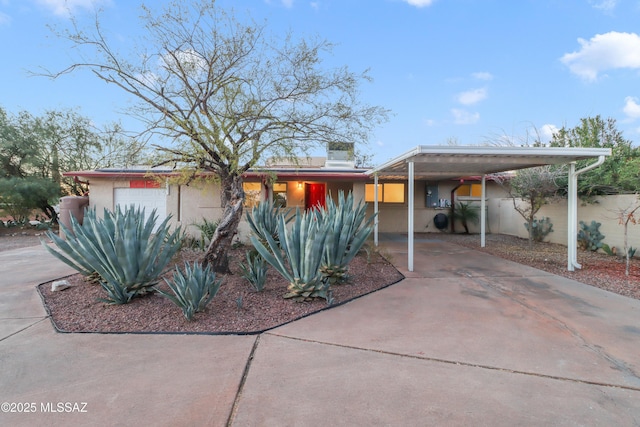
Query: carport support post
[
  {"x": 572, "y": 209},
  {"x": 483, "y": 214},
  {"x": 375, "y": 209},
  {"x": 411, "y": 197},
  {"x": 572, "y": 212}
]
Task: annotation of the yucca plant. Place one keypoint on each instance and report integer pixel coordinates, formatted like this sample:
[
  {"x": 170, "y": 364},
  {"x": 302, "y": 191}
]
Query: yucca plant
[
  {"x": 264, "y": 218},
  {"x": 121, "y": 248},
  {"x": 347, "y": 230},
  {"x": 255, "y": 270},
  {"x": 192, "y": 289},
  {"x": 298, "y": 256}
]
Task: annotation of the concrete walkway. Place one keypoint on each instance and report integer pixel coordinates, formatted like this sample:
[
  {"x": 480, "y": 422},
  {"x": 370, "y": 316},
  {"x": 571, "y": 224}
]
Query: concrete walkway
[{"x": 466, "y": 339}]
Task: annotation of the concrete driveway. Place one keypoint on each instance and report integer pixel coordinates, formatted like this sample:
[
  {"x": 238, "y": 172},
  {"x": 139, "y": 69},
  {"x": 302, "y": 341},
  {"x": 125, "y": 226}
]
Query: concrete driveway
[{"x": 466, "y": 339}]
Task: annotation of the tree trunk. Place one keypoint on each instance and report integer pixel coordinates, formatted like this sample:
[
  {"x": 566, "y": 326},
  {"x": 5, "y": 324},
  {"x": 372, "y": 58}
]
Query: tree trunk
[
  {"x": 530, "y": 221},
  {"x": 232, "y": 203},
  {"x": 626, "y": 248}
]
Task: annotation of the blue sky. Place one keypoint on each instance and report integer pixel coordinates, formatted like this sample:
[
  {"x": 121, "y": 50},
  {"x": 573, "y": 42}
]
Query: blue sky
[{"x": 469, "y": 71}]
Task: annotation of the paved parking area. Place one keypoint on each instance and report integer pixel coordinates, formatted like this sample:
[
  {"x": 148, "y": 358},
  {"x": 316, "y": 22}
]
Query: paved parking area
[{"x": 466, "y": 339}]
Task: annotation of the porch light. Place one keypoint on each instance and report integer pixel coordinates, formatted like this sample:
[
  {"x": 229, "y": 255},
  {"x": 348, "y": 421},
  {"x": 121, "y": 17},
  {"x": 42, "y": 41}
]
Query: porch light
[{"x": 299, "y": 185}]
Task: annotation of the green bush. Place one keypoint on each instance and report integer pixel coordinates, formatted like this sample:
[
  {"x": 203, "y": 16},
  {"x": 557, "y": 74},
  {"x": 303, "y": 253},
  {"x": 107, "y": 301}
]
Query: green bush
[
  {"x": 123, "y": 249},
  {"x": 207, "y": 229},
  {"x": 255, "y": 271},
  {"x": 541, "y": 228},
  {"x": 193, "y": 289},
  {"x": 21, "y": 196},
  {"x": 609, "y": 250}
]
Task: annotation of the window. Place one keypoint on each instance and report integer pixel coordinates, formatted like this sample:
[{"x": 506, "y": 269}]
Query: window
[
  {"x": 387, "y": 193},
  {"x": 469, "y": 190},
  {"x": 280, "y": 194},
  {"x": 368, "y": 193},
  {"x": 252, "y": 193}
]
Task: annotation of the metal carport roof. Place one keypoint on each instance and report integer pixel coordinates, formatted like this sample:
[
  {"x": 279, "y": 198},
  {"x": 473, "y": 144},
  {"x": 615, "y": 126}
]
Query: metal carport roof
[{"x": 438, "y": 163}]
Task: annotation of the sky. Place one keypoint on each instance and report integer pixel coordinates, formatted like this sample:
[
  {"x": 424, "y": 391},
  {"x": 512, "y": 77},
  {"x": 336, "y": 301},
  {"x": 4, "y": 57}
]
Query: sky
[{"x": 451, "y": 71}]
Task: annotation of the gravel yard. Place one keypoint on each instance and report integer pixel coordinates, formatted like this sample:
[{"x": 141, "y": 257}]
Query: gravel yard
[{"x": 239, "y": 309}]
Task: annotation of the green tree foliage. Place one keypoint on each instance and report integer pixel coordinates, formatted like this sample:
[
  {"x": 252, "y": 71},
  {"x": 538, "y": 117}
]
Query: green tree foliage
[
  {"x": 620, "y": 172},
  {"x": 20, "y": 196},
  {"x": 40, "y": 148},
  {"x": 227, "y": 94}
]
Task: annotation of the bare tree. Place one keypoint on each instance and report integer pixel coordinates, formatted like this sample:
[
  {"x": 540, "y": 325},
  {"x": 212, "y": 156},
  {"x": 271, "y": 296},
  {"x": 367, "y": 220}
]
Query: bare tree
[
  {"x": 533, "y": 186},
  {"x": 626, "y": 216},
  {"x": 226, "y": 94}
]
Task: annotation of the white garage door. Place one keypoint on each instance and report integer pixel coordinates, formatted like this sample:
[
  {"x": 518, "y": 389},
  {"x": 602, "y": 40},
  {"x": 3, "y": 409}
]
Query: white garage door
[{"x": 147, "y": 198}]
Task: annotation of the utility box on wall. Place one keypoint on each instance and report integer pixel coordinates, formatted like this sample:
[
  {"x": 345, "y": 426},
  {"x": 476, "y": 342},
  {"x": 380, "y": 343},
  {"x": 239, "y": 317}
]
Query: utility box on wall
[{"x": 431, "y": 195}]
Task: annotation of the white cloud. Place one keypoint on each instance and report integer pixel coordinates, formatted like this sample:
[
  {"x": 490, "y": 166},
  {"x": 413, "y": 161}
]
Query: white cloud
[
  {"x": 547, "y": 131},
  {"x": 605, "y": 5},
  {"x": 188, "y": 59},
  {"x": 63, "y": 7},
  {"x": 419, "y": 3},
  {"x": 471, "y": 97},
  {"x": 631, "y": 107},
  {"x": 483, "y": 75},
  {"x": 287, "y": 3},
  {"x": 604, "y": 52},
  {"x": 463, "y": 117}
]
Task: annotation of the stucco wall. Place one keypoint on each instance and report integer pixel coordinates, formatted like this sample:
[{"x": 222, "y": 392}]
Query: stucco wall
[
  {"x": 188, "y": 205},
  {"x": 393, "y": 217},
  {"x": 605, "y": 210}
]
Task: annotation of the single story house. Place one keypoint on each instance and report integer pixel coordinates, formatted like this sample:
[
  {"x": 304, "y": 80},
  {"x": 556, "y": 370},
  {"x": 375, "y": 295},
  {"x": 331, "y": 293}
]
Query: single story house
[{"x": 411, "y": 188}]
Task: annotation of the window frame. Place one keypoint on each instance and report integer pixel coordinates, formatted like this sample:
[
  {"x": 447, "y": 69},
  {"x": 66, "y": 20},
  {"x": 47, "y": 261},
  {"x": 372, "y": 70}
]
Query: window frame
[{"x": 382, "y": 197}]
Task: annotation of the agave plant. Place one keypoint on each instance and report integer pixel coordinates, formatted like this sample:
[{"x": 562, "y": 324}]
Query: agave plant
[
  {"x": 255, "y": 271},
  {"x": 121, "y": 248},
  {"x": 264, "y": 218},
  {"x": 193, "y": 289},
  {"x": 347, "y": 230},
  {"x": 298, "y": 256}
]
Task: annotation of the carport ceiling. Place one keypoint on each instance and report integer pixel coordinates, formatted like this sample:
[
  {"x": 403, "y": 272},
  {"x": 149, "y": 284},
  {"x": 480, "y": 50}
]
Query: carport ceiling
[{"x": 436, "y": 162}]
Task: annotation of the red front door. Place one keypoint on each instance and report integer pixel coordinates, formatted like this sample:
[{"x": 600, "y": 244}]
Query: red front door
[{"x": 314, "y": 195}]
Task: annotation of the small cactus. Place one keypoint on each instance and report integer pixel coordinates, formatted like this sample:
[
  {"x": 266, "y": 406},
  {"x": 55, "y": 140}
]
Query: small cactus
[{"x": 589, "y": 236}]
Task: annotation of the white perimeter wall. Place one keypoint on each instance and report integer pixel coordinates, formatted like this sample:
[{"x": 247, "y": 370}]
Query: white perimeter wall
[{"x": 505, "y": 220}]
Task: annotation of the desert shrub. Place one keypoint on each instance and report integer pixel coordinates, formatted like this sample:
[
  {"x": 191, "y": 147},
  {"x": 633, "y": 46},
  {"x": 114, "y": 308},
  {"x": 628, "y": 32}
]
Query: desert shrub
[
  {"x": 123, "y": 249},
  {"x": 540, "y": 229},
  {"x": 207, "y": 228},
  {"x": 612, "y": 251},
  {"x": 192, "y": 289},
  {"x": 589, "y": 236},
  {"x": 255, "y": 270}
]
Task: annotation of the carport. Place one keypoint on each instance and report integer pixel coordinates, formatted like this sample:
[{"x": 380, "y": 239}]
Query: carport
[{"x": 440, "y": 163}]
